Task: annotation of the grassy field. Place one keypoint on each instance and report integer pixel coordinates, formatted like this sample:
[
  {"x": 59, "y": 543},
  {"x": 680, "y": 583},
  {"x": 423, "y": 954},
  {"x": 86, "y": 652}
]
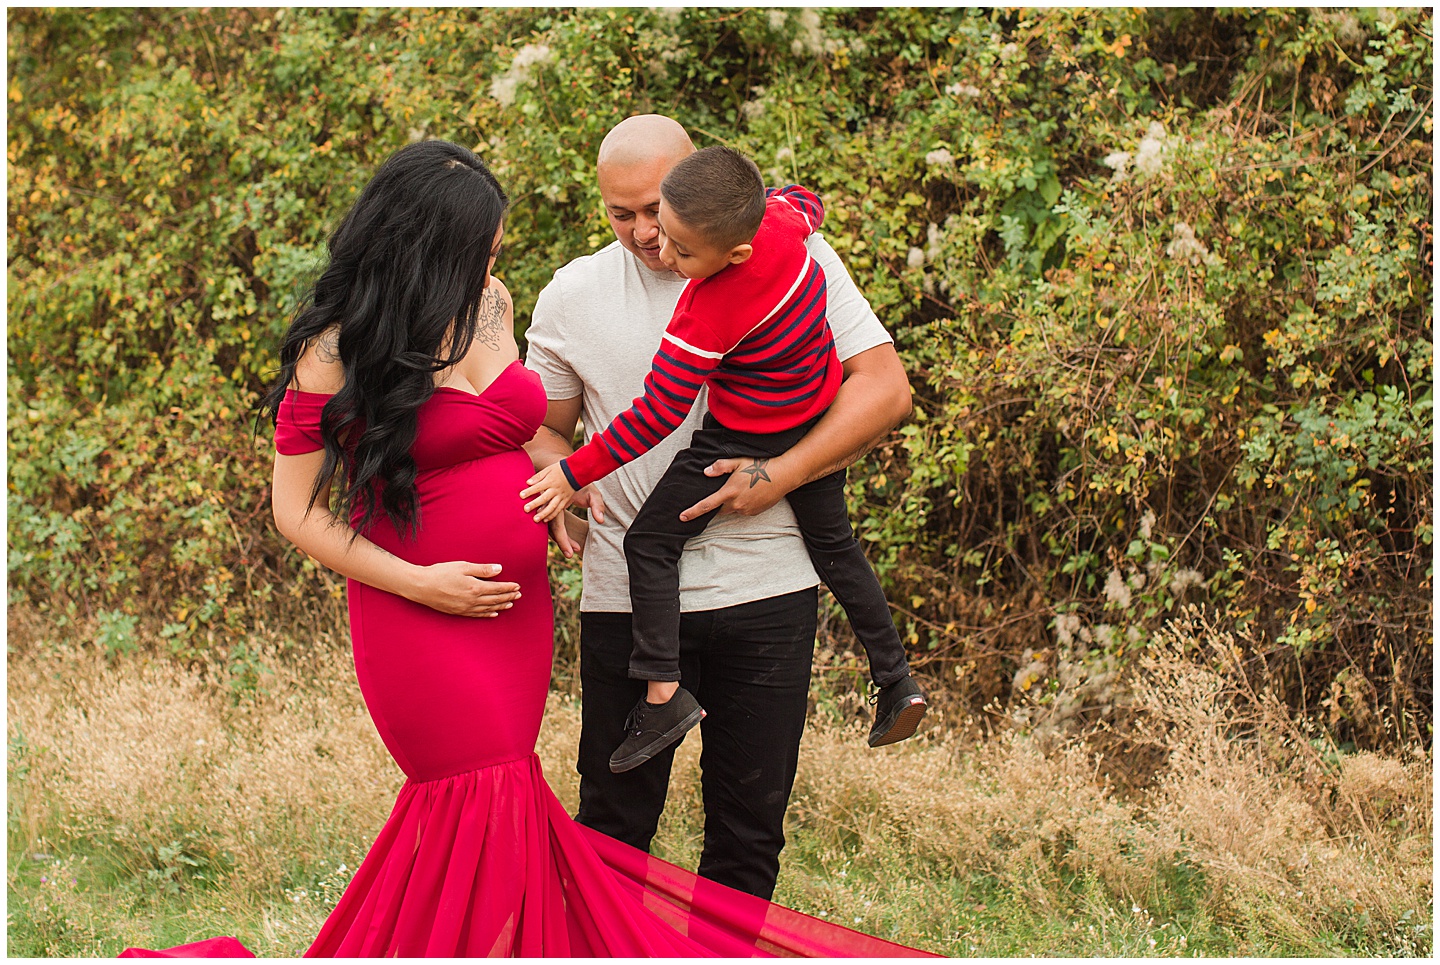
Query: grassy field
[{"x": 149, "y": 807}]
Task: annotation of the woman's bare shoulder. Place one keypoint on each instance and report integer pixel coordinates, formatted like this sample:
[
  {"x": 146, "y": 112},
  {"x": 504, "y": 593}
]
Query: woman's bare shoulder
[{"x": 319, "y": 368}]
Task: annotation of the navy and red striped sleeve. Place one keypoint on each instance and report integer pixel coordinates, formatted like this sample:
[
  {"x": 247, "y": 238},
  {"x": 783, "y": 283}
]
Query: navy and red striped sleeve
[{"x": 677, "y": 373}]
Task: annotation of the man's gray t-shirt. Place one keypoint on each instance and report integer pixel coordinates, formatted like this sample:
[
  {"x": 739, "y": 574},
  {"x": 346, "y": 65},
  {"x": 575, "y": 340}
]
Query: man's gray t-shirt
[{"x": 595, "y": 329}]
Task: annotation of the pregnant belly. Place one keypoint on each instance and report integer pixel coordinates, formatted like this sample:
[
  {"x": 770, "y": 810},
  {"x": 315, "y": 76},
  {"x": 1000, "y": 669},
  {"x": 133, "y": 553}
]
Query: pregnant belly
[
  {"x": 474, "y": 512},
  {"x": 452, "y": 693}
]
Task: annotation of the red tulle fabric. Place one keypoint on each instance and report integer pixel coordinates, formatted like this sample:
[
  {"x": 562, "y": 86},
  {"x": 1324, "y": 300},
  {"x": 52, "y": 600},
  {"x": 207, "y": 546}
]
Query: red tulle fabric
[
  {"x": 223, "y": 947},
  {"x": 478, "y": 857}
]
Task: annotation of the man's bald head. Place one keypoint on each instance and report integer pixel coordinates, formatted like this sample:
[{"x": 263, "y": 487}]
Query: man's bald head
[
  {"x": 644, "y": 139},
  {"x": 634, "y": 158}
]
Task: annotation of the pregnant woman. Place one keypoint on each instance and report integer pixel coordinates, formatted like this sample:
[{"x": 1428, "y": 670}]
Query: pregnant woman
[{"x": 400, "y": 384}]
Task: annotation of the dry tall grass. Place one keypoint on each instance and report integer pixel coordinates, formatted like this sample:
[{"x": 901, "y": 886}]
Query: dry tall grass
[
  {"x": 1288, "y": 841},
  {"x": 259, "y": 808}
]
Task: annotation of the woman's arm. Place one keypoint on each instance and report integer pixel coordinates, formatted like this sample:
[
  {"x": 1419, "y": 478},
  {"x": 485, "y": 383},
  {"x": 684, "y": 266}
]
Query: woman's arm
[{"x": 459, "y": 587}]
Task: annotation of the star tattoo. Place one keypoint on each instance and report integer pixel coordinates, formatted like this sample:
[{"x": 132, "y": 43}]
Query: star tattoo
[{"x": 756, "y": 472}]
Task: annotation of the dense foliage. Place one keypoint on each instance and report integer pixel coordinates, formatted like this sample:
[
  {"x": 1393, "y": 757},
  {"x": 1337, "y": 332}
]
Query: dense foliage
[{"x": 1161, "y": 279}]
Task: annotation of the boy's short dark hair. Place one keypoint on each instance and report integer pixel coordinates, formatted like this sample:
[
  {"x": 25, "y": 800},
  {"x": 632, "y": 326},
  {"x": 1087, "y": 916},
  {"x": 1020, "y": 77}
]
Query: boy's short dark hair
[{"x": 719, "y": 193}]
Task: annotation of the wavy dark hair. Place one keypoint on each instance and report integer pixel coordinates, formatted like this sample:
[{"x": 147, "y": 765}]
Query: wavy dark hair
[{"x": 407, "y": 273}]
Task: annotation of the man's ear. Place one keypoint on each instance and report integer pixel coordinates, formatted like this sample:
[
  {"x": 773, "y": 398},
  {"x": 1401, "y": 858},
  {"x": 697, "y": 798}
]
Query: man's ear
[{"x": 740, "y": 254}]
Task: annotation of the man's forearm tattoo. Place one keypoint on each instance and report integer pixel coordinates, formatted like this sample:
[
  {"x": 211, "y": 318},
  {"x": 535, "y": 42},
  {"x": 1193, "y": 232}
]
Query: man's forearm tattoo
[
  {"x": 756, "y": 472},
  {"x": 490, "y": 320}
]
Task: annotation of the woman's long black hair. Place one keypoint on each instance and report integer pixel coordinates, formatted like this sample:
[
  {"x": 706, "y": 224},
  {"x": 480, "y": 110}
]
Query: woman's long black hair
[{"x": 410, "y": 258}]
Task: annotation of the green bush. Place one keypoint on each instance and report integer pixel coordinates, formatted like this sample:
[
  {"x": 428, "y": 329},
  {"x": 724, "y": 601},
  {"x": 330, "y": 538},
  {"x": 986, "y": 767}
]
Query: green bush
[{"x": 1161, "y": 279}]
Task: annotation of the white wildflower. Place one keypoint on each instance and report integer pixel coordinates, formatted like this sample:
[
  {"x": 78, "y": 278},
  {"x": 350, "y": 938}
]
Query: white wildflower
[
  {"x": 502, "y": 88},
  {"x": 1104, "y": 634},
  {"x": 777, "y": 19},
  {"x": 940, "y": 158},
  {"x": 1136, "y": 581},
  {"x": 962, "y": 90},
  {"x": 811, "y": 40},
  {"x": 932, "y": 241},
  {"x": 671, "y": 13},
  {"x": 1184, "y": 246},
  {"x": 1119, "y": 162},
  {"x": 1154, "y": 146},
  {"x": 1147, "y": 523},
  {"x": 1132, "y": 635},
  {"x": 1116, "y": 591},
  {"x": 529, "y": 55},
  {"x": 753, "y": 110},
  {"x": 1066, "y": 624},
  {"x": 1010, "y": 51},
  {"x": 1184, "y": 579},
  {"x": 915, "y": 258}
]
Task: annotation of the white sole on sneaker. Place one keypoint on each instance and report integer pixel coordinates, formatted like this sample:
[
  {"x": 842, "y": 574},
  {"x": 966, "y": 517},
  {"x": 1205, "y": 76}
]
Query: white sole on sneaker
[{"x": 658, "y": 744}]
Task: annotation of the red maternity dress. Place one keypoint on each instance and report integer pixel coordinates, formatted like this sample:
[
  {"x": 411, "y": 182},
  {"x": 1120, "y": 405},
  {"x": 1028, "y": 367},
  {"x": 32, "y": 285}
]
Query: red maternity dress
[{"x": 478, "y": 856}]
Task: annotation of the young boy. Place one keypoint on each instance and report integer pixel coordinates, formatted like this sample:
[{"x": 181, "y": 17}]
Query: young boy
[{"x": 750, "y": 325}]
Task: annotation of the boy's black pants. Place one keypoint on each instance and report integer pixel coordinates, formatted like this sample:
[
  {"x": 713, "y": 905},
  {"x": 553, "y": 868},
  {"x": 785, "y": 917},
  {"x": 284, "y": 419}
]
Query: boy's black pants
[{"x": 657, "y": 537}]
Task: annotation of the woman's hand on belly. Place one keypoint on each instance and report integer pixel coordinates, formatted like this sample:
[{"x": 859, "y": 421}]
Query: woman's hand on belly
[{"x": 464, "y": 589}]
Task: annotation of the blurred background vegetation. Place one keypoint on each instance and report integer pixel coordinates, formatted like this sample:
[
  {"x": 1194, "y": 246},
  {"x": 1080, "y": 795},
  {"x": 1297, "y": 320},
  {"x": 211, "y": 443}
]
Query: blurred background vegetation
[{"x": 1162, "y": 281}]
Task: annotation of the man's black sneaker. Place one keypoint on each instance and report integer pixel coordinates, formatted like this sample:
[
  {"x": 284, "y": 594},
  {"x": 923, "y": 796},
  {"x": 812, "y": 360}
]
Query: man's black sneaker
[
  {"x": 898, "y": 709},
  {"x": 650, "y": 729}
]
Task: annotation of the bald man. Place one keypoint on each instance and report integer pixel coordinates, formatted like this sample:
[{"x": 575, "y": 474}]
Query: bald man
[{"x": 747, "y": 588}]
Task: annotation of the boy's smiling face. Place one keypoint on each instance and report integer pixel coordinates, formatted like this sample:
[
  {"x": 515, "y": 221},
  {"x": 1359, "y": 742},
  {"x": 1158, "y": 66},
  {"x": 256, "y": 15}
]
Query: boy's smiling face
[{"x": 687, "y": 252}]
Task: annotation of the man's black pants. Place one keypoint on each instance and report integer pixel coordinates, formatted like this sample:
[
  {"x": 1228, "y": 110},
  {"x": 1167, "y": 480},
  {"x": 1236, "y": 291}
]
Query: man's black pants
[
  {"x": 655, "y": 540},
  {"x": 749, "y": 667}
]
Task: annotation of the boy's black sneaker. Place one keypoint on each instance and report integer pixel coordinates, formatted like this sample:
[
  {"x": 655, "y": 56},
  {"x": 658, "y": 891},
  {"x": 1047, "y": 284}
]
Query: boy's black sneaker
[
  {"x": 898, "y": 710},
  {"x": 651, "y": 728}
]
